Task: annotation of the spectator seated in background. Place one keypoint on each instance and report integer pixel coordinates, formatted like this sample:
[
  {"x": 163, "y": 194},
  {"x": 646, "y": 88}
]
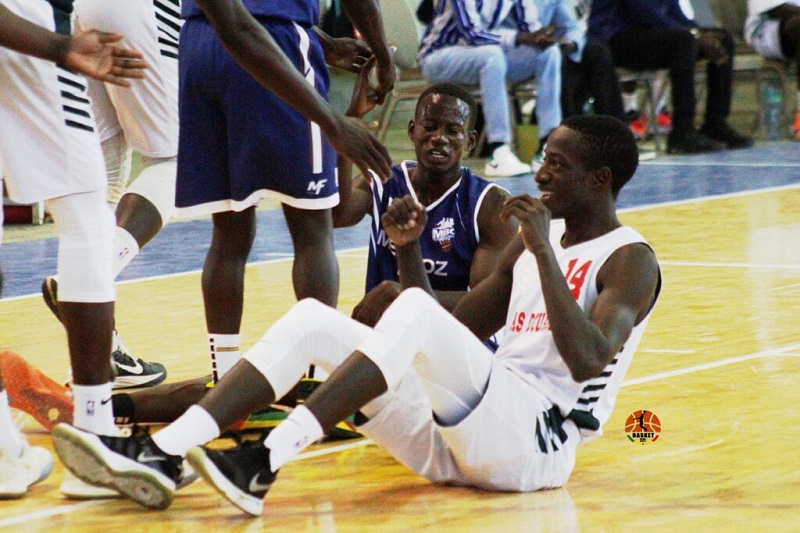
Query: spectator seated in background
[
  {"x": 656, "y": 34},
  {"x": 593, "y": 75},
  {"x": 773, "y": 30},
  {"x": 505, "y": 41}
]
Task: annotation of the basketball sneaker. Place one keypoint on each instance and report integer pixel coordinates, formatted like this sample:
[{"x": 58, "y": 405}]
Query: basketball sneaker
[
  {"x": 133, "y": 372},
  {"x": 134, "y": 466},
  {"x": 129, "y": 371},
  {"x": 242, "y": 474},
  {"x": 30, "y": 391},
  {"x": 503, "y": 163},
  {"x": 796, "y": 125},
  {"x": 73, "y": 488},
  {"x": 17, "y": 474}
]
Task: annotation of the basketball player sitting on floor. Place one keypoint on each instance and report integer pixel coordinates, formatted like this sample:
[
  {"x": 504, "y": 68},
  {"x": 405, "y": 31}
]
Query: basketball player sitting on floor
[{"x": 573, "y": 296}]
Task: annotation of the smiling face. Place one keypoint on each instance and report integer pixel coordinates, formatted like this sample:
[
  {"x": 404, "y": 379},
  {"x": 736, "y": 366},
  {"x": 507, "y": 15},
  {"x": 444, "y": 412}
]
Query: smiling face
[
  {"x": 440, "y": 132},
  {"x": 565, "y": 182}
]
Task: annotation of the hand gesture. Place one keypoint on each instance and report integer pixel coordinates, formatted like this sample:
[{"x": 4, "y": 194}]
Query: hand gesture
[
  {"x": 404, "y": 221},
  {"x": 370, "y": 309},
  {"x": 346, "y": 53},
  {"x": 364, "y": 98},
  {"x": 386, "y": 75},
  {"x": 351, "y": 138},
  {"x": 534, "y": 220},
  {"x": 541, "y": 38},
  {"x": 93, "y": 54}
]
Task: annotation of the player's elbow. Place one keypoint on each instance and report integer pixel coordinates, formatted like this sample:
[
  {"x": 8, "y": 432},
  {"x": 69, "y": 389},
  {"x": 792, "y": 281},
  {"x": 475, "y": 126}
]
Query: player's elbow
[{"x": 586, "y": 367}]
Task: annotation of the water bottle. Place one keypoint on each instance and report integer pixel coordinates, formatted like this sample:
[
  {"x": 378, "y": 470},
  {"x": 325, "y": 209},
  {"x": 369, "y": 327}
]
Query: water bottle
[{"x": 773, "y": 107}]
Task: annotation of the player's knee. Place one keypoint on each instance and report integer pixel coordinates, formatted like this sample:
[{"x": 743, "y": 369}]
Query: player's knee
[
  {"x": 86, "y": 236},
  {"x": 156, "y": 184}
]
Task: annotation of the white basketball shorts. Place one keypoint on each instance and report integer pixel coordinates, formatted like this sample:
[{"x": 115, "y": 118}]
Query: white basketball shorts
[
  {"x": 148, "y": 111},
  {"x": 48, "y": 139}
]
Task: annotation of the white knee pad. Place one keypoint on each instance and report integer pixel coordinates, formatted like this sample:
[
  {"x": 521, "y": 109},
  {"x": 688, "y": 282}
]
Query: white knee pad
[
  {"x": 310, "y": 333},
  {"x": 117, "y": 155},
  {"x": 156, "y": 183},
  {"x": 85, "y": 247}
]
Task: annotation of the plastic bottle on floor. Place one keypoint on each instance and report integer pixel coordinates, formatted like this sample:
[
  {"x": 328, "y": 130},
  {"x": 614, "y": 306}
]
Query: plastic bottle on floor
[{"x": 773, "y": 106}]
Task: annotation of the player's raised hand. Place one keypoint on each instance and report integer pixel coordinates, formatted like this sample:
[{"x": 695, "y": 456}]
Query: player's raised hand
[
  {"x": 364, "y": 98},
  {"x": 345, "y": 53},
  {"x": 404, "y": 221},
  {"x": 95, "y": 54},
  {"x": 534, "y": 219}
]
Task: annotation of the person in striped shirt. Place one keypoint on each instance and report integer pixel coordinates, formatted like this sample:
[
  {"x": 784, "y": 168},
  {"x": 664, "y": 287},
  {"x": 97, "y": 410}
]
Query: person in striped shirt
[{"x": 495, "y": 42}]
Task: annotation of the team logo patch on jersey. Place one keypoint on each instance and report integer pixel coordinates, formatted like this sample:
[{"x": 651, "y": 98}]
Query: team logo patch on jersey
[
  {"x": 643, "y": 427},
  {"x": 444, "y": 232}
]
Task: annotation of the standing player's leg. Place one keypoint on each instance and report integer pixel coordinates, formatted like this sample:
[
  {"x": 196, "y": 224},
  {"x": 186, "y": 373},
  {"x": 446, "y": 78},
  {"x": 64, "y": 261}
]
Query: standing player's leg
[
  {"x": 144, "y": 119},
  {"x": 315, "y": 272},
  {"x": 223, "y": 285},
  {"x": 51, "y": 151}
]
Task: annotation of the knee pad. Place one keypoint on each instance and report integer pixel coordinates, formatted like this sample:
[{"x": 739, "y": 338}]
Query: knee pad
[
  {"x": 85, "y": 247},
  {"x": 156, "y": 183},
  {"x": 117, "y": 155}
]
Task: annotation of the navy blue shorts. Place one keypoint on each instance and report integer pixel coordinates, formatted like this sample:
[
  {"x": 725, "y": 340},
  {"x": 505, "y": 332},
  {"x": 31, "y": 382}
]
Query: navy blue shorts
[{"x": 238, "y": 142}]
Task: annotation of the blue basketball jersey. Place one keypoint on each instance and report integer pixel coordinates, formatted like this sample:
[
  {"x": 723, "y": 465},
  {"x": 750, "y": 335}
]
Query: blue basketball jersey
[
  {"x": 304, "y": 12},
  {"x": 450, "y": 236}
]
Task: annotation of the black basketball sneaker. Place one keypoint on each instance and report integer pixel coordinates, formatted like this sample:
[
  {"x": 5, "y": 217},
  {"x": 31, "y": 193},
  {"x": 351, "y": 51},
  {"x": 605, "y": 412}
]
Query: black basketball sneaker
[
  {"x": 241, "y": 474},
  {"x": 134, "y": 466},
  {"x": 129, "y": 371}
]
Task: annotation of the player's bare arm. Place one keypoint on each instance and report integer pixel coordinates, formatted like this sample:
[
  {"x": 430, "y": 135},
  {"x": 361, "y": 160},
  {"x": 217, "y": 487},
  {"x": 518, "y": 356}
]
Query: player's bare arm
[
  {"x": 366, "y": 17},
  {"x": 90, "y": 52},
  {"x": 626, "y": 291},
  {"x": 255, "y": 50},
  {"x": 483, "y": 309},
  {"x": 355, "y": 196},
  {"x": 404, "y": 221}
]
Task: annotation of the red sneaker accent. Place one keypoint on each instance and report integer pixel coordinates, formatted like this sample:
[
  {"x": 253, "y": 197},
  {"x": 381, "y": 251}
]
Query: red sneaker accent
[
  {"x": 34, "y": 393},
  {"x": 664, "y": 122},
  {"x": 639, "y": 127}
]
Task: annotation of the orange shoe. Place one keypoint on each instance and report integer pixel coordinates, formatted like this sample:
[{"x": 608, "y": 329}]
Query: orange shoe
[
  {"x": 34, "y": 393},
  {"x": 796, "y": 126}
]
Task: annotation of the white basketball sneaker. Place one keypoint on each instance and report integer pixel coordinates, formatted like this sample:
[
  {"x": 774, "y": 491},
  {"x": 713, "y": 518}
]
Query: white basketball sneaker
[
  {"x": 504, "y": 163},
  {"x": 17, "y": 474}
]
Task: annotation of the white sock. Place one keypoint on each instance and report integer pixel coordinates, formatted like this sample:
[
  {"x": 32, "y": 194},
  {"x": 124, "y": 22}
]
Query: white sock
[
  {"x": 125, "y": 249},
  {"x": 292, "y": 436},
  {"x": 192, "y": 428},
  {"x": 629, "y": 101},
  {"x": 10, "y": 437},
  {"x": 224, "y": 353},
  {"x": 92, "y": 409}
]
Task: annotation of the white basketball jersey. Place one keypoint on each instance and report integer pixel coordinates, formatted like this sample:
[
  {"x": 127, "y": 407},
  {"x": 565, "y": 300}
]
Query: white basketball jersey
[{"x": 528, "y": 347}]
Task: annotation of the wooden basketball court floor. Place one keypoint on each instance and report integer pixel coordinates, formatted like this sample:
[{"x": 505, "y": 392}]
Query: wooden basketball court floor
[{"x": 719, "y": 366}]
